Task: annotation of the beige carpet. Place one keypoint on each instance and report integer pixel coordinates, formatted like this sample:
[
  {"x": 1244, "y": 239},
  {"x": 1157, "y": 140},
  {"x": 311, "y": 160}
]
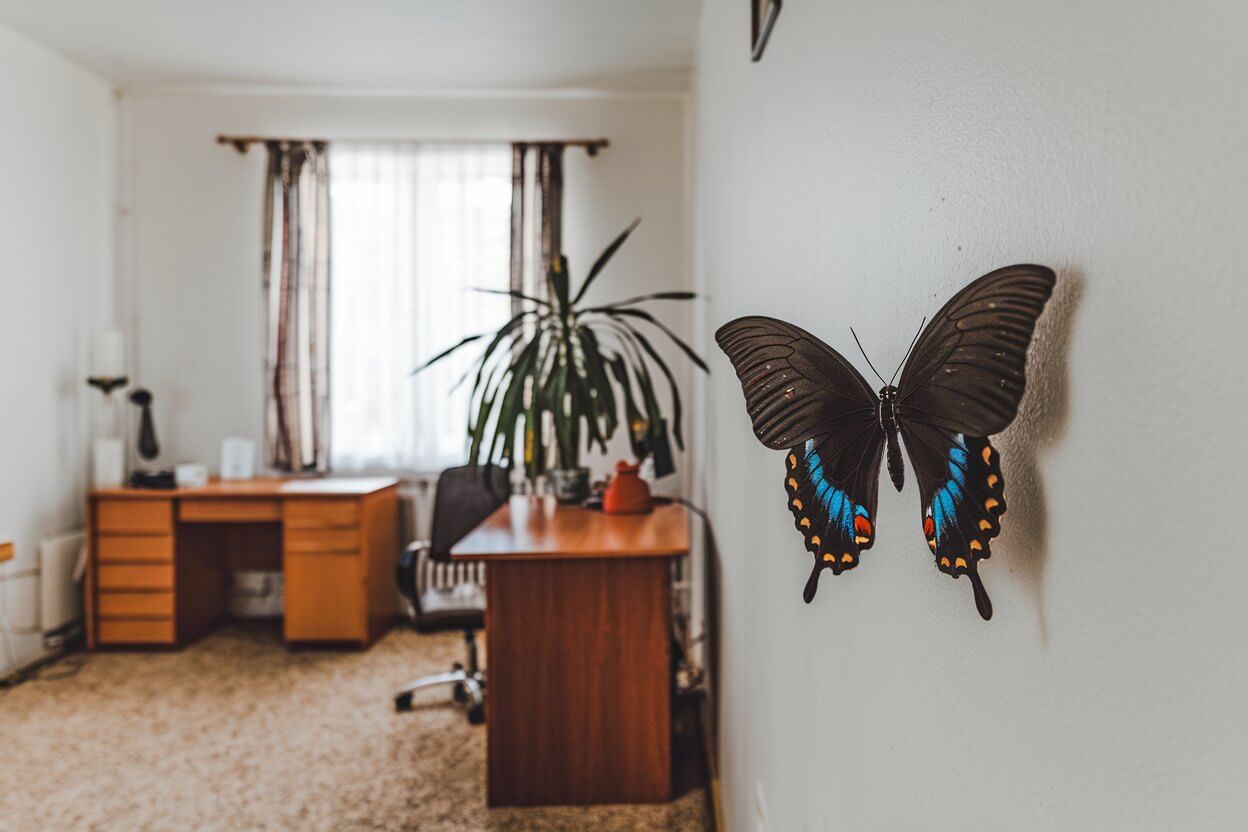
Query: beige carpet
[{"x": 237, "y": 733}]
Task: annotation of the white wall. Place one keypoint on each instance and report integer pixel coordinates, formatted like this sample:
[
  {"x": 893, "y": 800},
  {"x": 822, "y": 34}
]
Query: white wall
[
  {"x": 57, "y": 163},
  {"x": 880, "y": 156},
  {"x": 192, "y": 237}
]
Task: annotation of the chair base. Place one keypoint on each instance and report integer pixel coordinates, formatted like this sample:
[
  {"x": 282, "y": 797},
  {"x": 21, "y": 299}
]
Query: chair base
[{"x": 468, "y": 685}]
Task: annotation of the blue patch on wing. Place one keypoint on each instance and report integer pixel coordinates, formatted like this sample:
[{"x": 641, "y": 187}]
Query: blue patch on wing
[
  {"x": 948, "y": 497},
  {"x": 838, "y": 505}
]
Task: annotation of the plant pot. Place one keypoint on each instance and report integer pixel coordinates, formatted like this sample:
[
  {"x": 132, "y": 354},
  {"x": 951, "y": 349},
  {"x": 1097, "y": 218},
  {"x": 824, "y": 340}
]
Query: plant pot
[{"x": 569, "y": 485}]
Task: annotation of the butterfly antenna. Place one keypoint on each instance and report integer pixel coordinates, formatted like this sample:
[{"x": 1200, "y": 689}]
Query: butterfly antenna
[
  {"x": 913, "y": 341},
  {"x": 864, "y": 355}
]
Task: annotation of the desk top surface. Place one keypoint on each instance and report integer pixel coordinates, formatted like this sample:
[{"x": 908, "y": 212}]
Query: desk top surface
[
  {"x": 540, "y": 529},
  {"x": 236, "y": 489}
]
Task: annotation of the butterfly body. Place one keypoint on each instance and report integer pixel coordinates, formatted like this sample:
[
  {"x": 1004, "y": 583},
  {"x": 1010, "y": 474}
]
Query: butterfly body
[
  {"x": 961, "y": 383},
  {"x": 891, "y": 425}
]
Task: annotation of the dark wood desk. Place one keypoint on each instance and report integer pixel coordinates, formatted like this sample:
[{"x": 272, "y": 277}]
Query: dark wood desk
[
  {"x": 578, "y": 642},
  {"x": 160, "y": 561}
]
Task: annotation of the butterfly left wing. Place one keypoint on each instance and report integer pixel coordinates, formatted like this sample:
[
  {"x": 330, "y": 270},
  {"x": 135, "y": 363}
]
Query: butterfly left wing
[{"x": 803, "y": 396}]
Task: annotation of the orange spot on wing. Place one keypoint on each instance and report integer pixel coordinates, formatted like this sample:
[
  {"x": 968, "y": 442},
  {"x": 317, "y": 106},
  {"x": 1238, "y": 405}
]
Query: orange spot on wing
[
  {"x": 797, "y": 504},
  {"x": 987, "y": 454},
  {"x": 985, "y": 525},
  {"x": 805, "y": 524},
  {"x": 862, "y": 524},
  {"x": 960, "y": 563},
  {"x": 814, "y": 540},
  {"x": 860, "y": 540},
  {"x": 991, "y": 503},
  {"x": 929, "y": 528},
  {"x": 992, "y": 480},
  {"x": 944, "y": 561},
  {"x": 792, "y": 483},
  {"x": 792, "y": 461},
  {"x": 977, "y": 546},
  {"x": 828, "y": 556},
  {"x": 847, "y": 558}
]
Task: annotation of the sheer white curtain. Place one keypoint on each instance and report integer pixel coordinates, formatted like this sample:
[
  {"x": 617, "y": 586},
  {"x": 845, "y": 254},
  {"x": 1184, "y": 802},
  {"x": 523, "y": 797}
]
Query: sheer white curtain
[{"x": 414, "y": 227}]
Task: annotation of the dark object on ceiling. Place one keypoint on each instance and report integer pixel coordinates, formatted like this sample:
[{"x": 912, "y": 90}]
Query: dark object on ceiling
[
  {"x": 962, "y": 383},
  {"x": 763, "y": 14}
]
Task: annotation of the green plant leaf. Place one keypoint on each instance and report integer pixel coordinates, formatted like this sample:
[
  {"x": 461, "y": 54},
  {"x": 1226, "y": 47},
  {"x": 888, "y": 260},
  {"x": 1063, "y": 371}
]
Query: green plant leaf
[
  {"x": 511, "y": 293},
  {"x": 603, "y": 258},
  {"x": 647, "y": 317},
  {"x": 642, "y": 299},
  {"x": 449, "y": 350},
  {"x": 600, "y": 382},
  {"x": 671, "y": 384},
  {"x": 558, "y": 280}
]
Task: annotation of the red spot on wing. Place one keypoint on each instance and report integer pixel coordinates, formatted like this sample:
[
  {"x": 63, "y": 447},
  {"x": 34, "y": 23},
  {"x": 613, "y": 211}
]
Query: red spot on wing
[
  {"x": 928, "y": 526},
  {"x": 862, "y": 525}
]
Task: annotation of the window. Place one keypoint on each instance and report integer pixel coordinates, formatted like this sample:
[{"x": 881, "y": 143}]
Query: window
[{"x": 414, "y": 227}]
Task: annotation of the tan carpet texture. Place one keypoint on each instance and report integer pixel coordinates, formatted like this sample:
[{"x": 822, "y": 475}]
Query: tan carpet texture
[{"x": 238, "y": 733}]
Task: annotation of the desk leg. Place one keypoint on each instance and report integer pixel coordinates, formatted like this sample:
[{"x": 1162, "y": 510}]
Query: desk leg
[{"x": 578, "y": 698}]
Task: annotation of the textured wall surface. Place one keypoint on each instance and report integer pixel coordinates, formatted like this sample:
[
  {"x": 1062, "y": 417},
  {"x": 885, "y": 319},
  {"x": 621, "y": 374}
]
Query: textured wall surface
[
  {"x": 880, "y": 156},
  {"x": 57, "y": 157}
]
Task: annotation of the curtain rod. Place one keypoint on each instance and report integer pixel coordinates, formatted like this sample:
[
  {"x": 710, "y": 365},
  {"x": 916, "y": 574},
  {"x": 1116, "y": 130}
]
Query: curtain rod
[{"x": 242, "y": 143}]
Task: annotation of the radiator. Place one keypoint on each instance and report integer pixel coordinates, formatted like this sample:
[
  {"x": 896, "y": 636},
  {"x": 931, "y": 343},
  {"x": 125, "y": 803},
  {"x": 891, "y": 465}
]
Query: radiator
[
  {"x": 61, "y": 559},
  {"x": 416, "y": 516}
]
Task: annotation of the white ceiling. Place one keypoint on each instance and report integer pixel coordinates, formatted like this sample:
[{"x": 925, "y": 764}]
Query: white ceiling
[{"x": 399, "y": 44}]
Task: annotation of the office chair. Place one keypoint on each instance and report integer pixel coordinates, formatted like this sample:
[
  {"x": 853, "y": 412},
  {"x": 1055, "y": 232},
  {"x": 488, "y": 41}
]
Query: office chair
[{"x": 465, "y": 496}]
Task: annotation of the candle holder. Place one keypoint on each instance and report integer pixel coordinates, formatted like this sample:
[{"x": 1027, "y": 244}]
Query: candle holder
[{"x": 108, "y": 451}]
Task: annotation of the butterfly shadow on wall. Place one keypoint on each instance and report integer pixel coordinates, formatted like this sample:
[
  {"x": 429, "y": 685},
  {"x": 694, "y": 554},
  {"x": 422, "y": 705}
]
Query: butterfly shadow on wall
[
  {"x": 960, "y": 385},
  {"x": 1039, "y": 426}
]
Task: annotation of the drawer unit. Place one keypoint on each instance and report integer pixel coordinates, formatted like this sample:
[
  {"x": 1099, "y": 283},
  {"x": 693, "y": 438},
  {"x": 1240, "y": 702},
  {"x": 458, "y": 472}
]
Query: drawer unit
[
  {"x": 303, "y": 541},
  {"x": 325, "y": 598},
  {"x": 135, "y": 576},
  {"x": 129, "y": 516},
  {"x": 135, "y": 631},
  {"x": 321, "y": 514},
  {"x": 135, "y": 605},
  {"x": 206, "y": 510},
  {"x": 134, "y": 549}
]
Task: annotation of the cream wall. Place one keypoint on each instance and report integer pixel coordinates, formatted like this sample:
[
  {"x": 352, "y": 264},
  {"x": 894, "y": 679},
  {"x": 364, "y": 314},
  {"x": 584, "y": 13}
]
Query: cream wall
[
  {"x": 880, "y": 156},
  {"x": 191, "y": 238},
  {"x": 57, "y": 158}
]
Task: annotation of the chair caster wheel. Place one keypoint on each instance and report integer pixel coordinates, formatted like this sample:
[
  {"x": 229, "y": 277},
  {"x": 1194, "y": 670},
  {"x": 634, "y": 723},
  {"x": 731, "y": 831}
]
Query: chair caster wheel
[
  {"x": 403, "y": 702},
  {"x": 476, "y": 714},
  {"x": 460, "y": 693}
]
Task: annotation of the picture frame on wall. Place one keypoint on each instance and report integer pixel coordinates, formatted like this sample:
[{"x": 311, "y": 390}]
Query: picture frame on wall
[{"x": 763, "y": 14}]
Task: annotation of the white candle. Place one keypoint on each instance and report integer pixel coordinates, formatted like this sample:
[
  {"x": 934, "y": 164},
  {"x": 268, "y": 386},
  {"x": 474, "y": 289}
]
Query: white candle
[{"x": 108, "y": 358}]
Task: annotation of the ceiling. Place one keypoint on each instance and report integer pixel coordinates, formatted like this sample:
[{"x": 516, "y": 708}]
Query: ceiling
[{"x": 378, "y": 44}]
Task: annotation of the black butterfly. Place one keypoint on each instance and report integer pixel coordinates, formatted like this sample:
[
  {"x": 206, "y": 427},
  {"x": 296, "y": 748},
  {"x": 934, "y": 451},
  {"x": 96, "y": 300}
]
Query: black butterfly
[{"x": 962, "y": 383}]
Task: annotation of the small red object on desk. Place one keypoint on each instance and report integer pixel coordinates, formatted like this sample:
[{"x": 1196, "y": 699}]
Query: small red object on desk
[{"x": 627, "y": 492}]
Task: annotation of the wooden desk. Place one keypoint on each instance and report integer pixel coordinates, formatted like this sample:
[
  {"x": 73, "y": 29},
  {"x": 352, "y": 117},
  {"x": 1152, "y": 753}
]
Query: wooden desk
[
  {"x": 160, "y": 560},
  {"x": 578, "y": 640}
]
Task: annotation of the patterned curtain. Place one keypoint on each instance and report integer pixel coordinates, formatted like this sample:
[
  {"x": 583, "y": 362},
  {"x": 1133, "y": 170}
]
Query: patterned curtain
[
  {"x": 536, "y": 215},
  {"x": 296, "y": 286}
]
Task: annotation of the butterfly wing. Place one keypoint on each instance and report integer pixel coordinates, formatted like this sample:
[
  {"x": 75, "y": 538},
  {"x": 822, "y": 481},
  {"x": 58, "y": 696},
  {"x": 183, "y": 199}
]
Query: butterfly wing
[
  {"x": 962, "y": 384},
  {"x": 804, "y": 397},
  {"x": 962, "y": 493},
  {"x": 966, "y": 372}
]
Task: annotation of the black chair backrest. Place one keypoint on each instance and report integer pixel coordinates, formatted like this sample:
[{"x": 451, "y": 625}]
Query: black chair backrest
[{"x": 466, "y": 496}]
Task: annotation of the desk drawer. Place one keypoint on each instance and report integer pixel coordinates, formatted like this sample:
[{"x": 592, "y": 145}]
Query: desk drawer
[
  {"x": 134, "y": 549},
  {"x": 194, "y": 510},
  {"x": 135, "y": 604},
  {"x": 325, "y": 598},
  {"x": 322, "y": 514},
  {"x": 135, "y": 631},
  {"x": 135, "y": 577},
  {"x": 134, "y": 516},
  {"x": 305, "y": 541}
]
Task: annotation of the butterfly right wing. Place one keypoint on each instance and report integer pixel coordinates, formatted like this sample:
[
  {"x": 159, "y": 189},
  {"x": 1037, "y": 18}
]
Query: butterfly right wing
[{"x": 804, "y": 397}]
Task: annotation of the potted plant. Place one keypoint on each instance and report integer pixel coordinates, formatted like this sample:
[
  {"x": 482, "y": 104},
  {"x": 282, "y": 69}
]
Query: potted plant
[{"x": 560, "y": 374}]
